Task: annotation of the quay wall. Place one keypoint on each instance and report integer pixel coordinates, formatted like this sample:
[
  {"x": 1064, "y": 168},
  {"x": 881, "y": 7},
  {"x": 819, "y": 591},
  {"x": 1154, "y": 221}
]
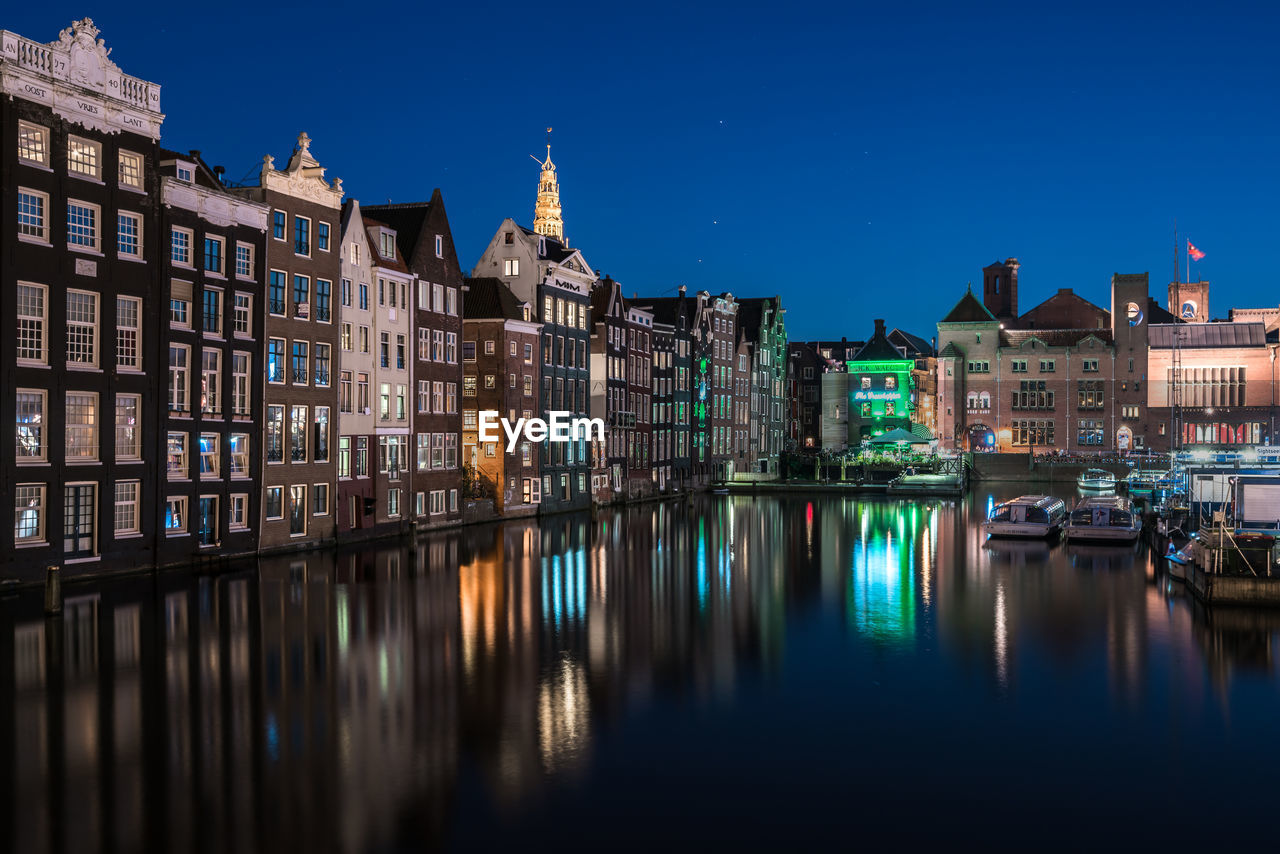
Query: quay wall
[{"x": 1006, "y": 467}]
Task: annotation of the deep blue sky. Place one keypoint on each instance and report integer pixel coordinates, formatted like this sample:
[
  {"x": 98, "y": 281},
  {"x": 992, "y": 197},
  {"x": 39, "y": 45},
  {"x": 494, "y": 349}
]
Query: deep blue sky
[{"x": 860, "y": 161}]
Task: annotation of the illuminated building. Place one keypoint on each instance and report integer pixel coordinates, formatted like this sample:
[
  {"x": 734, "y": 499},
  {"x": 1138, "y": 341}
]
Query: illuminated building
[
  {"x": 557, "y": 281},
  {"x": 82, "y": 375},
  {"x": 1066, "y": 375},
  {"x": 501, "y": 355},
  {"x": 880, "y": 388},
  {"x": 418, "y": 236},
  {"x": 301, "y": 393}
]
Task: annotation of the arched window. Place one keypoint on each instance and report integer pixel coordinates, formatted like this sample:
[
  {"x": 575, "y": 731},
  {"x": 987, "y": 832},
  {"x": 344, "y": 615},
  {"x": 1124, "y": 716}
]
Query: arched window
[
  {"x": 984, "y": 402},
  {"x": 973, "y": 400}
]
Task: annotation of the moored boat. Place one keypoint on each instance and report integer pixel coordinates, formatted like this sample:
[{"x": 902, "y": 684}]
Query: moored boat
[
  {"x": 1146, "y": 481},
  {"x": 1104, "y": 519},
  {"x": 1097, "y": 479},
  {"x": 1034, "y": 516}
]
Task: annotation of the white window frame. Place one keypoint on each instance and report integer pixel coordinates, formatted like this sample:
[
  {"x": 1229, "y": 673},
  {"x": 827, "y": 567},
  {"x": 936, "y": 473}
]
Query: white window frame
[
  {"x": 124, "y": 156},
  {"x": 249, "y": 249},
  {"x": 42, "y": 237},
  {"x": 92, "y": 330},
  {"x": 41, "y": 507},
  {"x": 42, "y": 424},
  {"x": 186, "y": 259},
  {"x": 84, "y": 167},
  {"x": 42, "y": 329},
  {"x": 123, "y": 453},
  {"x": 182, "y": 470},
  {"x": 89, "y": 431},
  {"x": 42, "y": 133},
  {"x": 138, "y": 224},
  {"x": 95, "y": 235},
  {"x": 132, "y": 503}
]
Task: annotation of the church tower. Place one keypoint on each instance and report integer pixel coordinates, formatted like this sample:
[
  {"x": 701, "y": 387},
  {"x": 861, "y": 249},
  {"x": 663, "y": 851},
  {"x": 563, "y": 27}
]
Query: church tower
[{"x": 546, "y": 213}]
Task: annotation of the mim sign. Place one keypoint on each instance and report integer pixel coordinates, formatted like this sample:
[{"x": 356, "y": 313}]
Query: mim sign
[{"x": 561, "y": 428}]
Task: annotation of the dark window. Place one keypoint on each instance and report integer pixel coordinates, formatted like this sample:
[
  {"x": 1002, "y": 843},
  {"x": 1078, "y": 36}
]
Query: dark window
[
  {"x": 277, "y": 292},
  {"x": 277, "y": 225},
  {"x": 322, "y": 300},
  {"x": 301, "y": 236},
  {"x": 322, "y": 237}
]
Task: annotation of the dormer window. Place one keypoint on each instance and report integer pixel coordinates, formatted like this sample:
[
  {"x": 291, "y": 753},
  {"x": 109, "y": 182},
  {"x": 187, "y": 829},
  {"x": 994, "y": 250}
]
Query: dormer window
[
  {"x": 186, "y": 171},
  {"x": 387, "y": 244}
]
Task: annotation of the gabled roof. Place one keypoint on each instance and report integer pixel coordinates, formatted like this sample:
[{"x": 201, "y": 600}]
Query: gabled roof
[
  {"x": 670, "y": 309},
  {"x": 406, "y": 219},
  {"x": 968, "y": 310},
  {"x": 878, "y": 349},
  {"x": 490, "y": 299},
  {"x": 916, "y": 346},
  {"x": 951, "y": 351},
  {"x": 602, "y": 299},
  {"x": 1204, "y": 335}
]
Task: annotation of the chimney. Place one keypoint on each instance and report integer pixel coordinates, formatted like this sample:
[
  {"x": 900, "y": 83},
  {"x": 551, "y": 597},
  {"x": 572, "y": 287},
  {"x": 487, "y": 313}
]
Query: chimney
[
  {"x": 682, "y": 290},
  {"x": 879, "y": 326}
]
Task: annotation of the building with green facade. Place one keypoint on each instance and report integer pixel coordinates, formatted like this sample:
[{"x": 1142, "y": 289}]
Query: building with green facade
[{"x": 880, "y": 390}]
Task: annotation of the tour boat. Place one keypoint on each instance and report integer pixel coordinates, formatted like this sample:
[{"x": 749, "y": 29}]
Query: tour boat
[
  {"x": 1146, "y": 482},
  {"x": 1109, "y": 519},
  {"x": 1097, "y": 479},
  {"x": 1034, "y": 516}
]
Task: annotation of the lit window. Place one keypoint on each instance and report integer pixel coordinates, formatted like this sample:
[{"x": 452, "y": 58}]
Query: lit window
[
  {"x": 83, "y": 157},
  {"x": 28, "y": 505},
  {"x": 209, "y": 464},
  {"x": 82, "y": 425},
  {"x": 128, "y": 427},
  {"x": 130, "y": 170},
  {"x": 33, "y": 143},
  {"x": 30, "y": 446},
  {"x": 175, "y": 514},
  {"x": 176, "y": 459}
]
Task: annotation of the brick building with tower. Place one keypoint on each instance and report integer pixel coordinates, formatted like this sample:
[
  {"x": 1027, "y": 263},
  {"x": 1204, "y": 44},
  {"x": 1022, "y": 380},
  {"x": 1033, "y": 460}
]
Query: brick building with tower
[{"x": 1067, "y": 375}]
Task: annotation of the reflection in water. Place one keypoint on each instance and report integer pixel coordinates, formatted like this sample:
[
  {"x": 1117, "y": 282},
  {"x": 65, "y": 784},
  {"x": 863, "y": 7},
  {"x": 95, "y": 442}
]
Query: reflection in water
[{"x": 394, "y": 696}]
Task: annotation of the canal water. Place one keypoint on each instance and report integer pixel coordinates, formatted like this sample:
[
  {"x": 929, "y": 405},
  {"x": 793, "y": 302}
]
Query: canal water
[{"x": 740, "y": 673}]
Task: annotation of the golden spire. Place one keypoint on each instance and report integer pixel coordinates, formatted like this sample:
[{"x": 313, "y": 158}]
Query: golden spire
[{"x": 546, "y": 213}]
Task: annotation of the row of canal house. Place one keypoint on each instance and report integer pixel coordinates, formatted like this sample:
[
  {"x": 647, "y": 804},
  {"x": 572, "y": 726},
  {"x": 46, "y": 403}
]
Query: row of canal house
[{"x": 308, "y": 368}]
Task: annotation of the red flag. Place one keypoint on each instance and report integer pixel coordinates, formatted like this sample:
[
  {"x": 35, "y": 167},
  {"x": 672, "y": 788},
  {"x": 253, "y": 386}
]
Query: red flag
[{"x": 1195, "y": 253}]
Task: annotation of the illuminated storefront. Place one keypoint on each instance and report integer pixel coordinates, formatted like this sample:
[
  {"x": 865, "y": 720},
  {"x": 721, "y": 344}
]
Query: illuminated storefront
[{"x": 880, "y": 397}]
